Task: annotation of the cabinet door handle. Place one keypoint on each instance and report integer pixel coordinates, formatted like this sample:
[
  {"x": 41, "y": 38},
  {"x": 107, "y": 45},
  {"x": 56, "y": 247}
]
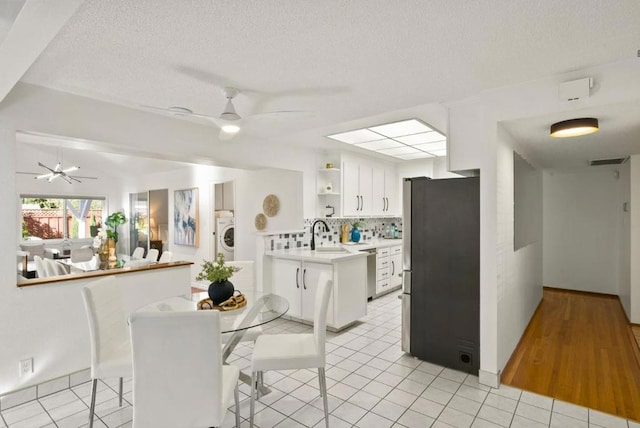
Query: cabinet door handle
[
  {"x": 357, "y": 203},
  {"x": 387, "y": 205},
  {"x": 297, "y": 274},
  {"x": 304, "y": 279},
  {"x": 361, "y": 202},
  {"x": 393, "y": 267}
]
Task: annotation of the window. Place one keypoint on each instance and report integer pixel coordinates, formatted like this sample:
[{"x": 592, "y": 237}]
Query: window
[{"x": 57, "y": 217}]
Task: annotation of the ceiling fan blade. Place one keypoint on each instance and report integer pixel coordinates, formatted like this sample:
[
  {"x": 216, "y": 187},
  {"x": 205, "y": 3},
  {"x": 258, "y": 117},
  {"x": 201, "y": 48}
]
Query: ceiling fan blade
[
  {"x": 69, "y": 178},
  {"x": 65, "y": 178},
  {"x": 45, "y": 167},
  {"x": 27, "y": 173},
  {"x": 179, "y": 111},
  {"x": 80, "y": 176},
  {"x": 290, "y": 113}
]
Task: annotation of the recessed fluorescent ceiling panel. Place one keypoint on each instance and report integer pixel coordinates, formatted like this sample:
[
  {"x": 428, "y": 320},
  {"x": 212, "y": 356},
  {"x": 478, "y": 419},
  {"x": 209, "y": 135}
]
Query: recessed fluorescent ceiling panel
[{"x": 407, "y": 139}]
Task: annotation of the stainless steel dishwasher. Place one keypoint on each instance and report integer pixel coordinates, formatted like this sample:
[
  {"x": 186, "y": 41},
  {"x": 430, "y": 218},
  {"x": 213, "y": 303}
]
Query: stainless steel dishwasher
[{"x": 371, "y": 272}]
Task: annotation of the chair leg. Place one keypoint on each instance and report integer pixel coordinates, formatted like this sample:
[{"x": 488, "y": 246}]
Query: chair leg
[
  {"x": 260, "y": 382},
  {"x": 236, "y": 396},
  {"x": 323, "y": 391},
  {"x": 93, "y": 402},
  {"x": 252, "y": 398},
  {"x": 120, "y": 390}
]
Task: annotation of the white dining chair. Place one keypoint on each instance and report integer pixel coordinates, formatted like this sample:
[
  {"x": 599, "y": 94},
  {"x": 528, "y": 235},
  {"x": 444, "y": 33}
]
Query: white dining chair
[
  {"x": 152, "y": 255},
  {"x": 54, "y": 268},
  {"x": 138, "y": 253},
  {"x": 178, "y": 376},
  {"x": 109, "y": 334},
  {"x": 41, "y": 268},
  {"x": 166, "y": 257},
  {"x": 296, "y": 351}
]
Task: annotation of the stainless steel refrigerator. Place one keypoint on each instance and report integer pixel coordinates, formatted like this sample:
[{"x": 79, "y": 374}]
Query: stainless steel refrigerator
[{"x": 441, "y": 271}]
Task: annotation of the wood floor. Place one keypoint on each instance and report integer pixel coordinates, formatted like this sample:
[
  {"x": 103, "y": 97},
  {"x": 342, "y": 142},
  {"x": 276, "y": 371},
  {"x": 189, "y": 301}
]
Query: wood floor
[{"x": 579, "y": 348}]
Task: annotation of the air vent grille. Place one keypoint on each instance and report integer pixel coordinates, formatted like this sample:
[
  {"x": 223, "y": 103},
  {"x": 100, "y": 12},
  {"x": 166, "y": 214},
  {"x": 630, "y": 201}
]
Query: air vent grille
[{"x": 614, "y": 161}]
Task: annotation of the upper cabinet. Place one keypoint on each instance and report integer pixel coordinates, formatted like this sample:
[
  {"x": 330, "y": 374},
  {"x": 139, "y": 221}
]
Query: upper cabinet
[
  {"x": 357, "y": 188},
  {"x": 385, "y": 192},
  {"x": 369, "y": 189}
]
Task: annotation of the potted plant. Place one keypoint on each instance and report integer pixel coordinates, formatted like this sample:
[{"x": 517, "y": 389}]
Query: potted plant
[
  {"x": 355, "y": 233},
  {"x": 220, "y": 289},
  {"x": 113, "y": 221}
]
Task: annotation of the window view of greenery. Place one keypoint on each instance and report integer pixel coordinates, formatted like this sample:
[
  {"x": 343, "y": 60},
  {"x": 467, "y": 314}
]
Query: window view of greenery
[{"x": 57, "y": 218}]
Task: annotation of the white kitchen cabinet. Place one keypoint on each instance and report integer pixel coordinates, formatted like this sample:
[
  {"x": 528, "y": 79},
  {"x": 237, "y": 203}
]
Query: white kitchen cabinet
[
  {"x": 297, "y": 281},
  {"x": 310, "y": 276},
  {"x": 395, "y": 261},
  {"x": 384, "y": 192},
  {"x": 388, "y": 268},
  {"x": 286, "y": 283},
  {"x": 357, "y": 193}
]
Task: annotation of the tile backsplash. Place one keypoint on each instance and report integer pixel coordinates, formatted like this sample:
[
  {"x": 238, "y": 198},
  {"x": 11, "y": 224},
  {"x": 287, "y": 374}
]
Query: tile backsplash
[{"x": 370, "y": 228}]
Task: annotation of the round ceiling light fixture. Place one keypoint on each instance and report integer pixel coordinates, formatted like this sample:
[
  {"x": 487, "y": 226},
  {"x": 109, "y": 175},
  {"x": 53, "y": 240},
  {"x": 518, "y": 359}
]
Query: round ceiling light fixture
[{"x": 574, "y": 127}]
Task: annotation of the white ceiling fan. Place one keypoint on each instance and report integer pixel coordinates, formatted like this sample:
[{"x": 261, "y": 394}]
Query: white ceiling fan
[
  {"x": 229, "y": 120},
  {"x": 59, "y": 172}
]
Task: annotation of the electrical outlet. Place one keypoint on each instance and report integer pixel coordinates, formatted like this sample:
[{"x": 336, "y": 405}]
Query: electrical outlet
[{"x": 26, "y": 367}]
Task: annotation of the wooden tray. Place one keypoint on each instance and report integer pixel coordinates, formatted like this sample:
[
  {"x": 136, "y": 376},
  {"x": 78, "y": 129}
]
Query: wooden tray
[{"x": 236, "y": 301}]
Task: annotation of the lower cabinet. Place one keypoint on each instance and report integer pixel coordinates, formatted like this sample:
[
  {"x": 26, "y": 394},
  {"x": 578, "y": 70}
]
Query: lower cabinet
[
  {"x": 388, "y": 268},
  {"x": 297, "y": 281}
]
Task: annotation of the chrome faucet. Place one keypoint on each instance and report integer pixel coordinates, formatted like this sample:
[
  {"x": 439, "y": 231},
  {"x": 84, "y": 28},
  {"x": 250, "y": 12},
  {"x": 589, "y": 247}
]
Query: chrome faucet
[{"x": 313, "y": 232}]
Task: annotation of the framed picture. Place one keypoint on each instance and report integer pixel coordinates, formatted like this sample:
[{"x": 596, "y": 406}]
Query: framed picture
[{"x": 185, "y": 217}]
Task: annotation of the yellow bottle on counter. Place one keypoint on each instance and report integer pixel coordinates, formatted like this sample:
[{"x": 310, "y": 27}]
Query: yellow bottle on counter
[{"x": 344, "y": 237}]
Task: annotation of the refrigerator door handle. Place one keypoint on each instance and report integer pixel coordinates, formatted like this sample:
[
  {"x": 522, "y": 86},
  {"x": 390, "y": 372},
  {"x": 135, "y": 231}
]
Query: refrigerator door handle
[
  {"x": 406, "y": 323},
  {"x": 406, "y": 224},
  {"x": 406, "y": 281}
]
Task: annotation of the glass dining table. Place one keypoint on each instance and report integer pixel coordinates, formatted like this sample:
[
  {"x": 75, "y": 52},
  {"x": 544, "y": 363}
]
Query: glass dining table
[{"x": 261, "y": 308}]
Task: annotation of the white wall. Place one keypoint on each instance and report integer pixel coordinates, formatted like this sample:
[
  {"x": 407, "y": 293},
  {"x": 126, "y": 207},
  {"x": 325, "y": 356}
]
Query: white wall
[
  {"x": 634, "y": 222},
  {"x": 519, "y": 272},
  {"x": 582, "y": 229},
  {"x": 250, "y": 189},
  {"x": 624, "y": 237}
]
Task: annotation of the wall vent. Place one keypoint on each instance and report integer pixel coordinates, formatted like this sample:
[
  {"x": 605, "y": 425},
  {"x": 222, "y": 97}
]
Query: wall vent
[{"x": 614, "y": 161}]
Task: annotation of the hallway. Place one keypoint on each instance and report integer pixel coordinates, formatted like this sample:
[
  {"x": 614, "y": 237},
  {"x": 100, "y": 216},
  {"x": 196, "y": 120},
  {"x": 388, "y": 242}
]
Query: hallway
[{"x": 579, "y": 348}]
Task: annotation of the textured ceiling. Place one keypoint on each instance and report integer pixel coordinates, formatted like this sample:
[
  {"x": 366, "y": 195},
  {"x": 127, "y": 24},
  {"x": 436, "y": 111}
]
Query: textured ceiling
[{"x": 338, "y": 60}]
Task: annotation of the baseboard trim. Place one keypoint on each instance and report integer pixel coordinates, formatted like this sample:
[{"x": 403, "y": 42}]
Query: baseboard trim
[
  {"x": 24, "y": 395},
  {"x": 489, "y": 379}
]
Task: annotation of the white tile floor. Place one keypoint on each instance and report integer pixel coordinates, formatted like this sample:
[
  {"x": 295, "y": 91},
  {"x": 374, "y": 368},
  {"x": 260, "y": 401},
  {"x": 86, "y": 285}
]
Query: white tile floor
[{"x": 372, "y": 384}]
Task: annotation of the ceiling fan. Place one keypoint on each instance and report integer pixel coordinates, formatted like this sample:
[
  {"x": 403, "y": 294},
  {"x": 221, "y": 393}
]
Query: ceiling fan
[
  {"x": 229, "y": 120},
  {"x": 59, "y": 172}
]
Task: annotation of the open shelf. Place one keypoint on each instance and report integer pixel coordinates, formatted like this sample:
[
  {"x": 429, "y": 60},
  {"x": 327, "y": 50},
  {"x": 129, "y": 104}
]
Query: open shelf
[
  {"x": 328, "y": 193},
  {"x": 329, "y": 169}
]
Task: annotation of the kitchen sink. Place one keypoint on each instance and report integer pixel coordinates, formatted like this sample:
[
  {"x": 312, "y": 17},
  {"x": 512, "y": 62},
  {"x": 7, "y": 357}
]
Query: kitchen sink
[{"x": 331, "y": 250}]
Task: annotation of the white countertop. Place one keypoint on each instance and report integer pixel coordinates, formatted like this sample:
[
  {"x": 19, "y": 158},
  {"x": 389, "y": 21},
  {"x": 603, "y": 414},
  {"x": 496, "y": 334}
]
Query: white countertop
[{"x": 352, "y": 251}]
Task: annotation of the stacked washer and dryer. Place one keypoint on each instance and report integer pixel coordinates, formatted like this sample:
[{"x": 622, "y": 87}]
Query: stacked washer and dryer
[{"x": 225, "y": 230}]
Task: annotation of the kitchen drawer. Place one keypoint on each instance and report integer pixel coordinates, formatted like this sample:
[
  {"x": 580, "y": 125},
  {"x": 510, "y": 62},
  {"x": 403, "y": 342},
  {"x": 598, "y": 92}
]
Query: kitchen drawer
[
  {"x": 382, "y": 286},
  {"x": 396, "y": 250},
  {"x": 383, "y": 273},
  {"x": 383, "y": 252},
  {"x": 383, "y": 263}
]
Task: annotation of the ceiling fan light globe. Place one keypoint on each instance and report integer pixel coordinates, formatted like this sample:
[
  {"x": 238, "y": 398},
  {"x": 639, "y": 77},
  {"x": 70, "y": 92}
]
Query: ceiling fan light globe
[
  {"x": 230, "y": 129},
  {"x": 227, "y": 115}
]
